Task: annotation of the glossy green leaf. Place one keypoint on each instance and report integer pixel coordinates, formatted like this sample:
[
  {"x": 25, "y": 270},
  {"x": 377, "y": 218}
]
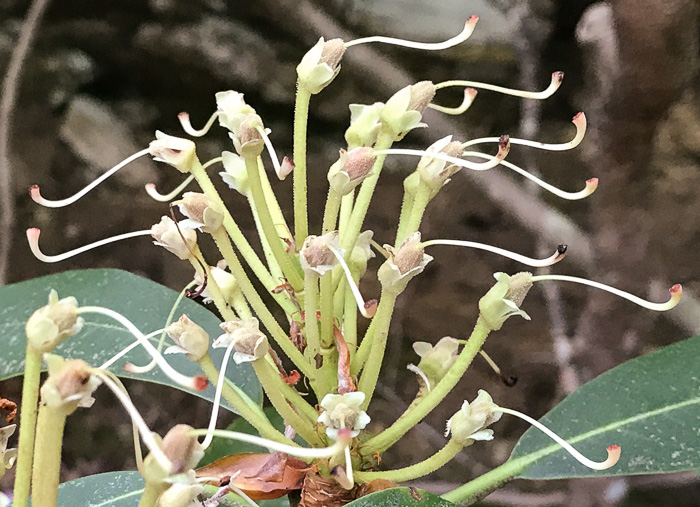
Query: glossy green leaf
[
  {"x": 401, "y": 497},
  {"x": 124, "y": 489},
  {"x": 144, "y": 302},
  {"x": 650, "y": 406}
]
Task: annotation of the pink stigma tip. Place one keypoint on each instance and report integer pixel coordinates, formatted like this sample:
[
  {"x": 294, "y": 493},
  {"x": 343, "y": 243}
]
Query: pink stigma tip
[
  {"x": 200, "y": 382},
  {"x": 676, "y": 290},
  {"x": 577, "y": 116}
]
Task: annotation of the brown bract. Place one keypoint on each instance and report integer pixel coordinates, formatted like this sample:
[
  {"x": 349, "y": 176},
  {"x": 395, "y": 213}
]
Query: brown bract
[
  {"x": 10, "y": 407},
  {"x": 260, "y": 476}
]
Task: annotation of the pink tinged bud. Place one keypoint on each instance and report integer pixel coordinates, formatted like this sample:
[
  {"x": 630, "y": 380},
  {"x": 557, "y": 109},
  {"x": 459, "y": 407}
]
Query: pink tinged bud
[
  {"x": 180, "y": 242},
  {"x": 320, "y": 65},
  {"x": 232, "y": 109},
  {"x": 69, "y": 385},
  {"x": 351, "y": 169},
  {"x": 53, "y": 323},
  {"x": 174, "y": 151},
  {"x": 503, "y": 300},
  {"x": 470, "y": 423},
  {"x": 182, "y": 449},
  {"x": 249, "y": 343},
  {"x": 189, "y": 337},
  {"x": 404, "y": 110},
  {"x": 316, "y": 256},
  {"x": 364, "y": 125},
  {"x": 403, "y": 264},
  {"x": 203, "y": 213},
  {"x": 342, "y": 412}
]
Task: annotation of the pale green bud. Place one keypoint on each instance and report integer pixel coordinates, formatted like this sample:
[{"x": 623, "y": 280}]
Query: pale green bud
[
  {"x": 503, "y": 300},
  {"x": 364, "y": 125},
  {"x": 320, "y": 64},
  {"x": 69, "y": 385},
  {"x": 404, "y": 110},
  {"x": 235, "y": 174},
  {"x": 435, "y": 172},
  {"x": 471, "y": 421},
  {"x": 53, "y": 323},
  {"x": 438, "y": 359}
]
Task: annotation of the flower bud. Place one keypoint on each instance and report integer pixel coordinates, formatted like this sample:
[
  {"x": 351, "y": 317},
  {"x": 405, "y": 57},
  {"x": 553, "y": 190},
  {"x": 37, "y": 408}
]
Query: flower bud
[
  {"x": 249, "y": 343},
  {"x": 53, "y": 323},
  {"x": 315, "y": 256},
  {"x": 69, "y": 385},
  {"x": 503, "y": 300},
  {"x": 471, "y": 421},
  {"x": 320, "y": 64},
  {"x": 191, "y": 338},
  {"x": 227, "y": 283},
  {"x": 175, "y": 151},
  {"x": 438, "y": 359},
  {"x": 362, "y": 252},
  {"x": 351, "y": 169},
  {"x": 364, "y": 125},
  {"x": 235, "y": 174},
  {"x": 435, "y": 172},
  {"x": 202, "y": 212},
  {"x": 182, "y": 449},
  {"x": 343, "y": 411},
  {"x": 404, "y": 110},
  {"x": 181, "y": 243},
  {"x": 247, "y": 139},
  {"x": 232, "y": 109},
  {"x": 403, "y": 264},
  {"x": 8, "y": 455}
]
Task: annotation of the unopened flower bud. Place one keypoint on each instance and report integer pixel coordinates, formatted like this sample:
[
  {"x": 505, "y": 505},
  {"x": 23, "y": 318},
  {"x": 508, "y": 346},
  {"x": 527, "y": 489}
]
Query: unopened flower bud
[
  {"x": 438, "y": 359},
  {"x": 404, "y": 110},
  {"x": 232, "y": 109},
  {"x": 247, "y": 139},
  {"x": 320, "y": 64},
  {"x": 364, "y": 125},
  {"x": 315, "y": 256},
  {"x": 351, "y": 169},
  {"x": 362, "y": 252},
  {"x": 53, "y": 323},
  {"x": 175, "y": 151},
  {"x": 403, "y": 264},
  {"x": 202, "y": 212},
  {"x": 69, "y": 385},
  {"x": 503, "y": 300},
  {"x": 7, "y": 456},
  {"x": 180, "y": 242},
  {"x": 250, "y": 344},
  {"x": 435, "y": 172},
  {"x": 189, "y": 337},
  {"x": 342, "y": 411},
  {"x": 227, "y": 283},
  {"x": 471, "y": 421},
  {"x": 182, "y": 449},
  {"x": 235, "y": 174}
]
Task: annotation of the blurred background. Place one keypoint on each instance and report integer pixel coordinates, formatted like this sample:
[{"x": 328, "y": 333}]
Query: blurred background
[{"x": 100, "y": 77}]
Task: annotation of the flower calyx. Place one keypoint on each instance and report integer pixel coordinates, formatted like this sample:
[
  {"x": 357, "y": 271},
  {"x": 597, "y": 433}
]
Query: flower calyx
[
  {"x": 435, "y": 172},
  {"x": 202, "y": 213},
  {"x": 342, "y": 411},
  {"x": 351, "y": 169},
  {"x": 404, "y": 110},
  {"x": 53, "y": 323},
  {"x": 470, "y": 423},
  {"x": 234, "y": 174},
  {"x": 315, "y": 255},
  {"x": 503, "y": 300},
  {"x": 189, "y": 339},
  {"x": 69, "y": 385},
  {"x": 403, "y": 264},
  {"x": 250, "y": 344},
  {"x": 320, "y": 65},
  {"x": 175, "y": 151},
  {"x": 364, "y": 125},
  {"x": 180, "y": 242},
  {"x": 436, "y": 359}
]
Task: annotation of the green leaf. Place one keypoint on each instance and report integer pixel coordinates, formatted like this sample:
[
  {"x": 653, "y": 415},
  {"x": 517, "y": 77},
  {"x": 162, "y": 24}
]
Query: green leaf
[
  {"x": 124, "y": 489},
  {"x": 650, "y": 406},
  {"x": 113, "y": 489},
  {"x": 144, "y": 302},
  {"x": 401, "y": 497}
]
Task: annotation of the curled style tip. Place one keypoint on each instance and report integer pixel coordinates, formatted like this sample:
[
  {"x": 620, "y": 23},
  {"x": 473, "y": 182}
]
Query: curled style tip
[
  {"x": 469, "y": 96},
  {"x": 33, "y": 234},
  {"x": 155, "y": 195},
  {"x": 528, "y": 261},
  {"x": 187, "y": 126},
  {"x": 35, "y": 193},
  {"x": 561, "y": 249},
  {"x": 554, "y": 85},
  {"x": 466, "y": 32}
]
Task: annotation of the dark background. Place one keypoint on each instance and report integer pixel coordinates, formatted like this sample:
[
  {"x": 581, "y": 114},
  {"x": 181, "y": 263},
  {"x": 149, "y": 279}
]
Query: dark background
[{"x": 103, "y": 76}]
